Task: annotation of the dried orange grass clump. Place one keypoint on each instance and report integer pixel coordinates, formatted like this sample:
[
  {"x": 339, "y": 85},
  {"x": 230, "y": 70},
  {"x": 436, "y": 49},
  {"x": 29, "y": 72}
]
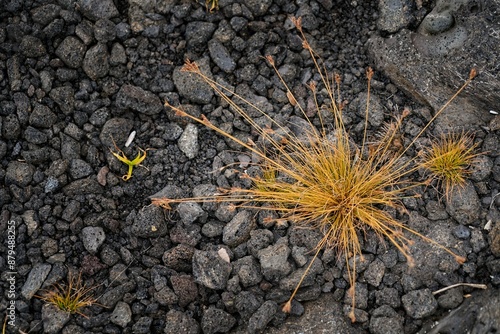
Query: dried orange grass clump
[
  {"x": 72, "y": 297},
  {"x": 447, "y": 160},
  {"x": 323, "y": 180}
]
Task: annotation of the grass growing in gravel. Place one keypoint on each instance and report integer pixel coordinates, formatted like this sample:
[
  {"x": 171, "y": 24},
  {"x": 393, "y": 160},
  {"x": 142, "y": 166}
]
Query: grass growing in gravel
[
  {"x": 323, "y": 180},
  {"x": 447, "y": 160},
  {"x": 71, "y": 297}
]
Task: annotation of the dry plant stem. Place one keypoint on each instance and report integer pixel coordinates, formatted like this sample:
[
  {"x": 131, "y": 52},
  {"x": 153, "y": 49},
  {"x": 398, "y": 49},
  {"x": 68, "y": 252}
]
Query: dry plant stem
[
  {"x": 339, "y": 188},
  {"x": 472, "y": 285}
]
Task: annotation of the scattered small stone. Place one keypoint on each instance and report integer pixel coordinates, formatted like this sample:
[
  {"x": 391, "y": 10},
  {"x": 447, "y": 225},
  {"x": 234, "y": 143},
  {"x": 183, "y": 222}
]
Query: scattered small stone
[
  {"x": 259, "y": 320},
  {"x": 185, "y": 288},
  {"x": 142, "y": 326},
  {"x": 96, "y": 61},
  {"x": 374, "y": 273},
  {"x": 179, "y": 258},
  {"x": 238, "y": 229},
  {"x": 274, "y": 261},
  {"x": 477, "y": 240},
  {"x": 71, "y": 51},
  {"x": 32, "y": 47},
  {"x": 188, "y": 142},
  {"x": 98, "y": 9},
  {"x": 122, "y": 315},
  {"x": 54, "y": 318},
  {"x": 178, "y": 322},
  {"x": 19, "y": 173},
  {"x": 79, "y": 169},
  {"x": 149, "y": 223},
  {"x": 385, "y": 320},
  {"x": 191, "y": 86},
  {"x": 92, "y": 238},
  {"x": 463, "y": 205},
  {"x": 419, "y": 304},
  {"x": 210, "y": 270},
  {"x": 221, "y": 56},
  {"x": 42, "y": 116},
  {"x": 138, "y": 99},
  {"x": 35, "y": 279},
  {"x": 215, "y": 320},
  {"x": 247, "y": 303}
]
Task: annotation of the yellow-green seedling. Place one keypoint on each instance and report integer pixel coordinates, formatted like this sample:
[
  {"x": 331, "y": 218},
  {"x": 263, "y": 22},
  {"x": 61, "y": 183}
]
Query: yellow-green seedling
[
  {"x": 448, "y": 159},
  {"x": 322, "y": 179},
  {"x": 130, "y": 163},
  {"x": 212, "y": 5},
  {"x": 71, "y": 297}
]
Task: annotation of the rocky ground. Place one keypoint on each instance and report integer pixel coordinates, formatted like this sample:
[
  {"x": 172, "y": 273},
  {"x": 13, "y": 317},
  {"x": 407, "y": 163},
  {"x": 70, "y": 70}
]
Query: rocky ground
[{"x": 77, "y": 74}]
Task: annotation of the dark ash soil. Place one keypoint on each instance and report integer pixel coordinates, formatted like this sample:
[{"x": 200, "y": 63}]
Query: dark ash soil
[{"x": 77, "y": 74}]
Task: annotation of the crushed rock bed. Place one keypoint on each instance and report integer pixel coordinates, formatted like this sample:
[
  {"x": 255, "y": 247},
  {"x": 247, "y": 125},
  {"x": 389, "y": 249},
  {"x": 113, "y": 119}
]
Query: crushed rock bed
[{"x": 78, "y": 76}]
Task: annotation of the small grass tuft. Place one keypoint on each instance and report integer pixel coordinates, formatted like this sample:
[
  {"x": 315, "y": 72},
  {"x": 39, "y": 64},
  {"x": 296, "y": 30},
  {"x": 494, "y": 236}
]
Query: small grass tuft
[
  {"x": 71, "y": 297},
  {"x": 447, "y": 160},
  {"x": 321, "y": 179}
]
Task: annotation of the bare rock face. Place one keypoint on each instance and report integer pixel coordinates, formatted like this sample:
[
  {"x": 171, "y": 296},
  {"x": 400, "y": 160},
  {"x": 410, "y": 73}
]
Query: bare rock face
[
  {"x": 433, "y": 61},
  {"x": 478, "y": 314}
]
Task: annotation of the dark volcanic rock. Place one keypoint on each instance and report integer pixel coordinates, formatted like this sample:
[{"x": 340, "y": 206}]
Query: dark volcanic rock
[
  {"x": 215, "y": 320},
  {"x": 478, "y": 314},
  {"x": 96, "y": 61},
  {"x": 210, "y": 270},
  {"x": 191, "y": 86},
  {"x": 464, "y": 206},
  {"x": 149, "y": 223},
  {"x": 450, "y": 41},
  {"x": 71, "y": 51},
  {"x": 178, "y": 322},
  {"x": 419, "y": 304},
  {"x": 19, "y": 173},
  {"x": 138, "y": 99},
  {"x": 98, "y": 9},
  {"x": 238, "y": 229},
  {"x": 32, "y": 47}
]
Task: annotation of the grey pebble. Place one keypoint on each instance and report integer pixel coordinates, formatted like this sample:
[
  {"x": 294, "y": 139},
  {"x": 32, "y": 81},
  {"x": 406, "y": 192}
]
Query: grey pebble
[
  {"x": 54, "y": 319},
  {"x": 92, "y": 238},
  {"x": 419, "y": 304},
  {"x": 238, "y": 229},
  {"x": 138, "y": 99},
  {"x": 215, "y": 320},
  {"x": 221, "y": 56},
  {"x": 96, "y": 61},
  {"x": 149, "y": 223},
  {"x": 71, "y": 51},
  {"x": 385, "y": 320},
  {"x": 274, "y": 261},
  {"x": 463, "y": 205},
  {"x": 188, "y": 141},
  {"x": 178, "y": 322},
  {"x": 79, "y": 168},
  {"x": 264, "y": 314},
  {"x": 122, "y": 314},
  {"x": 210, "y": 270},
  {"x": 35, "y": 279},
  {"x": 191, "y": 86},
  {"x": 98, "y": 9}
]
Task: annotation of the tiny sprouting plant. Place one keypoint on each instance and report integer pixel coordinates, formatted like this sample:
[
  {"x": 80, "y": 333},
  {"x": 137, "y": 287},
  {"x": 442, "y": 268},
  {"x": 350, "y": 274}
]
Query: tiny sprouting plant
[
  {"x": 71, "y": 297},
  {"x": 212, "y": 5},
  {"x": 130, "y": 163},
  {"x": 447, "y": 160},
  {"x": 322, "y": 179}
]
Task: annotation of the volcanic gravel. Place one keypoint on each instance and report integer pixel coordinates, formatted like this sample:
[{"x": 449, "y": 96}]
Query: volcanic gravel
[{"x": 78, "y": 76}]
